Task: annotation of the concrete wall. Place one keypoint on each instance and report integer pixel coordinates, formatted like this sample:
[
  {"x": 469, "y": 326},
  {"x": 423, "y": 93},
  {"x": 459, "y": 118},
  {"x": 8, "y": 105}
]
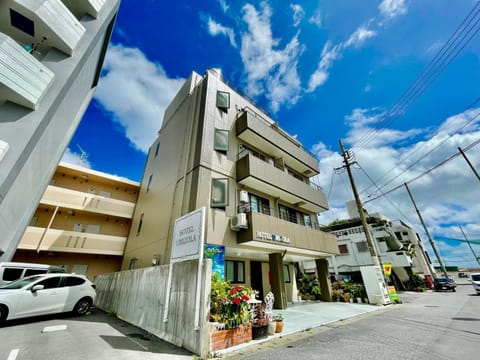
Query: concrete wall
[{"x": 138, "y": 297}]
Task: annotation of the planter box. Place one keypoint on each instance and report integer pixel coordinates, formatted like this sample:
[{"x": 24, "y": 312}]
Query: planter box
[
  {"x": 259, "y": 332},
  {"x": 223, "y": 339}
]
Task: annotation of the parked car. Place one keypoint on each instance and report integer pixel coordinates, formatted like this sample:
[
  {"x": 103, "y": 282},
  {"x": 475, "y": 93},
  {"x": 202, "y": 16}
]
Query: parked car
[
  {"x": 475, "y": 277},
  {"x": 462, "y": 275},
  {"x": 46, "y": 294},
  {"x": 443, "y": 283},
  {"x": 11, "y": 271}
]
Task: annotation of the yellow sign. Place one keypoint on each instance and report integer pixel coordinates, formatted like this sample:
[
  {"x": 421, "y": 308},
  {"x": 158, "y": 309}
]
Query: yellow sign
[{"x": 387, "y": 269}]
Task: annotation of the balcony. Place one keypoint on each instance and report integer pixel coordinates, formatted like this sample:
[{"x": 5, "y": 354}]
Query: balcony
[
  {"x": 57, "y": 196},
  {"x": 260, "y": 175},
  {"x": 270, "y": 232},
  {"x": 266, "y": 136},
  {"x": 71, "y": 241}
]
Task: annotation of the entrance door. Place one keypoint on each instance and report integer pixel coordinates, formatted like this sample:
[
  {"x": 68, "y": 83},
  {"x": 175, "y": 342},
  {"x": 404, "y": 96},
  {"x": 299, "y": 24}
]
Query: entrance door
[{"x": 256, "y": 276}]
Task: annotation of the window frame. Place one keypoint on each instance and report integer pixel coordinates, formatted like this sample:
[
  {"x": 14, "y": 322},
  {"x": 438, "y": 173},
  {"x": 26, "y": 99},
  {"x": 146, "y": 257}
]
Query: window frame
[
  {"x": 343, "y": 246},
  {"x": 236, "y": 270},
  {"x": 286, "y": 274},
  {"x": 219, "y": 101},
  {"x": 216, "y": 147},
  {"x": 217, "y": 181},
  {"x": 22, "y": 22}
]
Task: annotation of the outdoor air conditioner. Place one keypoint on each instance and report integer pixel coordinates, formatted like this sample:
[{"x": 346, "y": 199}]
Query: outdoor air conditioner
[
  {"x": 243, "y": 196},
  {"x": 238, "y": 222}
]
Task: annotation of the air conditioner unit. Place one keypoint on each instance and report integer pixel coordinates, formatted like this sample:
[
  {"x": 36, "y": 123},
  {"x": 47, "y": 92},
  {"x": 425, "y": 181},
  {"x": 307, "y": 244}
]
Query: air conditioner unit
[
  {"x": 243, "y": 197},
  {"x": 238, "y": 222}
]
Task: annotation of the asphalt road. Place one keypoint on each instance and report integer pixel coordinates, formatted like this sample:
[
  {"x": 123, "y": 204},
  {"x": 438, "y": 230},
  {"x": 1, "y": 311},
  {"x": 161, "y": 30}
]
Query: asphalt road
[
  {"x": 95, "y": 336},
  {"x": 431, "y": 325}
]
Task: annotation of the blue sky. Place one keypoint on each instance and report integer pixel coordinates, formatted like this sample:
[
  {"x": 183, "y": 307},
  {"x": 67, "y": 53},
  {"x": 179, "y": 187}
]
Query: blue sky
[{"x": 325, "y": 70}]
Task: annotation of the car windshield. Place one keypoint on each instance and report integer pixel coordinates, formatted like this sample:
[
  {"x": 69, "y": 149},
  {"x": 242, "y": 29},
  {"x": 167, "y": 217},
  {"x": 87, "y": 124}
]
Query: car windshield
[
  {"x": 20, "y": 283},
  {"x": 476, "y": 277}
]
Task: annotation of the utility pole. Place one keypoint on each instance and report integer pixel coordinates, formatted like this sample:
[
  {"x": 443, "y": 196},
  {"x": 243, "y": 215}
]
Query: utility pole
[
  {"x": 471, "y": 248},
  {"x": 371, "y": 247},
  {"x": 470, "y": 164},
  {"x": 428, "y": 234}
]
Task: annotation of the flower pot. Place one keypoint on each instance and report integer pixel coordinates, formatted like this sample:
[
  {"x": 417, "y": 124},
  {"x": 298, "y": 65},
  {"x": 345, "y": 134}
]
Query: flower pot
[
  {"x": 222, "y": 339},
  {"x": 259, "y": 332},
  {"x": 278, "y": 326},
  {"x": 271, "y": 328}
]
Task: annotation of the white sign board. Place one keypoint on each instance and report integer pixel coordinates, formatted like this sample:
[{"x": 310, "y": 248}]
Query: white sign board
[{"x": 188, "y": 235}]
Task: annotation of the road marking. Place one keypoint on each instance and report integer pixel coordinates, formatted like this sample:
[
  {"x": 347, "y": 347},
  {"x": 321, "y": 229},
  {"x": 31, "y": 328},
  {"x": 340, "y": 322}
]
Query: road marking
[
  {"x": 54, "y": 328},
  {"x": 13, "y": 354}
]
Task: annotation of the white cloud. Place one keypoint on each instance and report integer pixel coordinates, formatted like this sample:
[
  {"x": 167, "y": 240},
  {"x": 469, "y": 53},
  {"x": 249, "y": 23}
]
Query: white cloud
[
  {"x": 316, "y": 19},
  {"x": 392, "y": 8},
  {"x": 443, "y": 205},
  {"x": 224, "y": 5},
  {"x": 298, "y": 14},
  {"x": 136, "y": 91},
  {"x": 271, "y": 71},
  {"x": 320, "y": 75},
  {"x": 360, "y": 36},
  {"x": 215, "y": 28},
  {"x": 76, "y": 158}
]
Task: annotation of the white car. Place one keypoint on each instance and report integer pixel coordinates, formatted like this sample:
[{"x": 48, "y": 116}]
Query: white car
[
  {"x": 475, "y": 277},
  {"x": 46, "y": 294}
]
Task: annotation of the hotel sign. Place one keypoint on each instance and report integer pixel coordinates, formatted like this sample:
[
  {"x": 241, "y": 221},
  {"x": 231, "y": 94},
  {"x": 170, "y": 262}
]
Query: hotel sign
[
  {"x": 188, "y": 236},
  {"x": 272, "y": 237}
]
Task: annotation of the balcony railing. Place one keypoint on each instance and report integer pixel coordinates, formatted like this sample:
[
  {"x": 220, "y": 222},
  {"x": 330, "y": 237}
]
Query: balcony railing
[
  {"x": 265, "y": 159},
  {"x": 71, "y": 241}
]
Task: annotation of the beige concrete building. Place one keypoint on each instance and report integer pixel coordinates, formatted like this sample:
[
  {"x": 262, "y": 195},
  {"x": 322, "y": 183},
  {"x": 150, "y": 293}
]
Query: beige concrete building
[
  {"x": 82, "y": 222},
  {"x": 51, "y": 55},
  {"x": 218, "y": 150}
]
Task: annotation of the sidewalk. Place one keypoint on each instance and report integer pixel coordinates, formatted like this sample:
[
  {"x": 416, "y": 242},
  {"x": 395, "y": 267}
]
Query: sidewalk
[{"x": 303, "y": 316}]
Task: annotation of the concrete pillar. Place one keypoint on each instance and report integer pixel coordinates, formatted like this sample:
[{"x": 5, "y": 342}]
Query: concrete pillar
[
  {"x": 277, "y": 281},
  {"x": 324, "y": 279}
]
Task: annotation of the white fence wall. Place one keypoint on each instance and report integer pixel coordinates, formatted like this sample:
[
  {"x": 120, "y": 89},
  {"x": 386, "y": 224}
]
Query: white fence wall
[{"x": 138, "y": 297}]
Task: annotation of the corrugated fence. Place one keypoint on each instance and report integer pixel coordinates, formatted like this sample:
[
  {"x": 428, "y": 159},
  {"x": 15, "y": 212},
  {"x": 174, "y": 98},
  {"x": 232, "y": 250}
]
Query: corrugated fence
[{"x": 138, "y": 297}]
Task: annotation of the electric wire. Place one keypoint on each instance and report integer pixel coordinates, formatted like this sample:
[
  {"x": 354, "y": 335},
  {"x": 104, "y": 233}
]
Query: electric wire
[
  {"x": 431, "y": 72},
  {"x": 475, "y": 143},
  {"x": 415, "y": 150}
]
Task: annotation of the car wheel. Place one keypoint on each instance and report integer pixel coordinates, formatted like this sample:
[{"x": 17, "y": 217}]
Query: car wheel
[
  {"x": 3, "y": 313},
  {"x": 454, "y": 290},
  {"x": 82, "y": 306}
]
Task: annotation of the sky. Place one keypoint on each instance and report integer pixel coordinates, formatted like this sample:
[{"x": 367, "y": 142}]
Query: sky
[{"x": 396, "y": 80}]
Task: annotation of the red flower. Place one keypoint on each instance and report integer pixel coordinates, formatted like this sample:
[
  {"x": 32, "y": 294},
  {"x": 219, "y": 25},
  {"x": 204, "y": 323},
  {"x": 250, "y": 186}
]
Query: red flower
[
  {"x": 233, "y": 291},
  {"x": 245, "y": 298},
  {"x": 236, "y": 301}
]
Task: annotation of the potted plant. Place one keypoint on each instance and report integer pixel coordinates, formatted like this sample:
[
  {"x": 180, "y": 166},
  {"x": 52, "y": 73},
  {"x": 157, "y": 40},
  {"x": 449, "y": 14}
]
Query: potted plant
[
  {"x": 278, "y": 319},
  {"x": 260, "y": 322}
]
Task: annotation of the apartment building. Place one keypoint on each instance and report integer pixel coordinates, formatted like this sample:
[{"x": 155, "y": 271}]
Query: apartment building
[
  {"x": 51, "y": 55},
  {"x": 217, "y": 150},
  {"x": 82, "y": 222},
  {"x": 394, "y": 241}
]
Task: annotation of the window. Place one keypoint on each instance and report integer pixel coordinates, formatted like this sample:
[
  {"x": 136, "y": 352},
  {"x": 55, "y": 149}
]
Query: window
[
  {"x": 156, "y": 149},
  {"x": 343, "y": 249},
  {"x": 149, "y": 182},
  {"x": 29, "y": 272},
  {"x": 259, "y": 205},
  {"x": 10, "y": 274},
  {"x": 21, "y": 22},
  {"x": 307, "y": 221},
  {"x": 235, "y": 271},
  {"x": 73, "y": 281},
  {"x": 286, "y": 274},
  {"x": 133, "y": 261},
  {"x": 223, "y": 100},
  {"x": 362, "y": 246},
  {"x": 219, "y": 193},
  {"x": 50, "y": 283},
  {"x": 221, "y": 140},
  {"x": 287, "y": 214},
  {"x": 140, "y": 225}
]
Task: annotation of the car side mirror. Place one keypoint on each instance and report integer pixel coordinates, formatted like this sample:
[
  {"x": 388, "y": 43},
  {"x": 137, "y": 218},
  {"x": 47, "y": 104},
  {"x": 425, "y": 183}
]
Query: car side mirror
[{"x": 36, "y": 288}]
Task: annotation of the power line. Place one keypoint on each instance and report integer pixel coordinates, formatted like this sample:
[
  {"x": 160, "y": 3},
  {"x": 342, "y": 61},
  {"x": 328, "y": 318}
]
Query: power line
[
  {"x": 475, "y": 143},
  {"x": 428, "y": 75},
  {"x": 425, "y": 154}
]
